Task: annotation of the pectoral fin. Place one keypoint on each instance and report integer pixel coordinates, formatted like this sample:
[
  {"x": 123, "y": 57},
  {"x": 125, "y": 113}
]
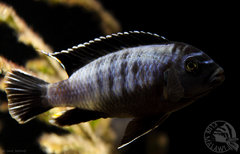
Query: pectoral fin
[
  {"x": 139, "y": 127},
  {"x": 75, "y": 116}
]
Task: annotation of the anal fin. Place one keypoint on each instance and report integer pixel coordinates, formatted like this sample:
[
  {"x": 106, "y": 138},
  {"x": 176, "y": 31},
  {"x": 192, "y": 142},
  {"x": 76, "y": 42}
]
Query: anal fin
[
  {"x": 77, "y": 115},
  {"x": 139, "y": 127}
]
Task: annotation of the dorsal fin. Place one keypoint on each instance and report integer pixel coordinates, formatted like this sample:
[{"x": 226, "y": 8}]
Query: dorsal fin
[{"x": 80, "y": 55}]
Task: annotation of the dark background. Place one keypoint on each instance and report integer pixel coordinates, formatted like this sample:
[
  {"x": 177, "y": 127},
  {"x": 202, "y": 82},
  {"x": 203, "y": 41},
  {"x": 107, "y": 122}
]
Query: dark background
[{"x": 212, "y": 27}]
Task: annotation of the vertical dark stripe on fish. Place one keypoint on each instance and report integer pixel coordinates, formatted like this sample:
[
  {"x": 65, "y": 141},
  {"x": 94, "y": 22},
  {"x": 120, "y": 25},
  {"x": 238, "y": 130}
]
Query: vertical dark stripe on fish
[
  {"x": 111, "y": 71},
  {"x": 136, "y": 73},
  {"x": 97, "y": 88},
  {"x": 99, "y": 80},
  {"x": 134, "y": 68},
  {"x": 99, "y": 75},
  {"x": 117, "y": 77},
  {"x": 107, "y": 80},
  {"x": 123, "y": 79}
]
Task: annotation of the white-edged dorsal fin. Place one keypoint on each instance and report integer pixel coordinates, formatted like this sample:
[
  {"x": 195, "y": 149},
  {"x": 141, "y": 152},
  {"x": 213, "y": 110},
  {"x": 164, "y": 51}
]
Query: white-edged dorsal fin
[{"x": 76, "y": 57}]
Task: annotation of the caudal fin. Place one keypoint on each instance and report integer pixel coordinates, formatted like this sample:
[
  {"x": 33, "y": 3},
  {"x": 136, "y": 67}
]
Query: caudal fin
[{"x": 26, "y": 96}]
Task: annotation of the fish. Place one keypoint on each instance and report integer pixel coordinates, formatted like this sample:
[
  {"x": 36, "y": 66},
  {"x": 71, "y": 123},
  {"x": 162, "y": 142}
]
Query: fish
[{"x": 135, "y": 74}]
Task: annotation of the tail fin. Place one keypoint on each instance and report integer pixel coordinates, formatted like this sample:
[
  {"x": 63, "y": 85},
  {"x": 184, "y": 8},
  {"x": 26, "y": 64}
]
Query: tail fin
[{"x": 26, "y": 96}]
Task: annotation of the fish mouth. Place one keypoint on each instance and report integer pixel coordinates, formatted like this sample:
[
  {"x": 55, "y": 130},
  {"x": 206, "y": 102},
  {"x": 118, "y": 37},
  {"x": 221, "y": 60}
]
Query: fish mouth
[{"x": 217, "y": 77}]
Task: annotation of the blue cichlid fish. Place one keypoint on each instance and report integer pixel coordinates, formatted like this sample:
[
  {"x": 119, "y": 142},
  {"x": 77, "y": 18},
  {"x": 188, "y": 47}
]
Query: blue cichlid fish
[{"x": 131, "y": 74}]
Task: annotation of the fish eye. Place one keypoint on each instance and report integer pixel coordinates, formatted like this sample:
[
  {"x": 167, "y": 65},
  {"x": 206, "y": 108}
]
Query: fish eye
[{"x": 191, "y": 65}]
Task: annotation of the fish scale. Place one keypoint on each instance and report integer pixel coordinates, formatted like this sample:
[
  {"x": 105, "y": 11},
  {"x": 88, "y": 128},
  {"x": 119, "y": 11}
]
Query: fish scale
[
  {"x": 119, "y": 78},
  {"x": 138, "y": 75}
]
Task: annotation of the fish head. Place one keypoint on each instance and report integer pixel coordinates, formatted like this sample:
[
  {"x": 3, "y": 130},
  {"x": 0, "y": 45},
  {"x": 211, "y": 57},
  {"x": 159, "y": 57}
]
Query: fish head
[{"x": 197, "y": 73}]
